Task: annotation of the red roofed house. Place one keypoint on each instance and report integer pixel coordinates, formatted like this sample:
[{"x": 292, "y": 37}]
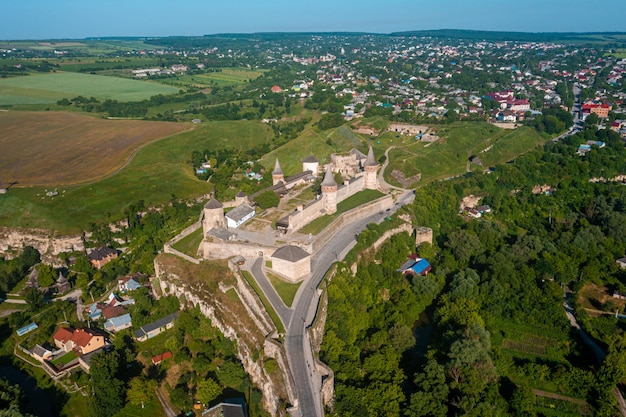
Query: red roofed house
[
  {"x": 602, "y": 110},
  {"x": 276, "y": 89},
  {"x": 81, "y": 340}
]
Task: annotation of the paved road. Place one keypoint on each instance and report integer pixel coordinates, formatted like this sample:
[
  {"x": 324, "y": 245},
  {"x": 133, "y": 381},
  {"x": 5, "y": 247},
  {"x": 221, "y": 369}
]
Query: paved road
[{"x": 307, "y": 382}]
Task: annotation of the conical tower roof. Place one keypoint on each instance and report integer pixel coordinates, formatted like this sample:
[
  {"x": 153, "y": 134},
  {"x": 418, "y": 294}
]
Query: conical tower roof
[
  {"x": 277, "y": 169},
  {"x": 329, "y": 179},
  {"x": 370, "y": 161},
  {"x": 213, "y": 204}
]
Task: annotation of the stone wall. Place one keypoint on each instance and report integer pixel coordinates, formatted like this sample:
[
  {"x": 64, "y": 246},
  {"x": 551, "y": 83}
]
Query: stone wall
[
  {"x": 225, "y": 250},
  {"x": 362, "y": 211},
  {"x": 309, "y": 213},
  {"x": 352, "y": 187}
]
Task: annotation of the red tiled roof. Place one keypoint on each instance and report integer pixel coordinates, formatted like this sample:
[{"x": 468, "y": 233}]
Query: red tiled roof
[
  {"x": 161, "y": 357},
  {"x": 63, "y": 334},
  {"x": 82, "y": 337}
]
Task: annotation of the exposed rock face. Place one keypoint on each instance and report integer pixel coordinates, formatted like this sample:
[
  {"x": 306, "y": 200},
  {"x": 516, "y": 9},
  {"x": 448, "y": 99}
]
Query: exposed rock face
[
  {"x": 244, "y": 321},
  {"x": 13, "y": 240},
  {"x": 403, "y": 180}
]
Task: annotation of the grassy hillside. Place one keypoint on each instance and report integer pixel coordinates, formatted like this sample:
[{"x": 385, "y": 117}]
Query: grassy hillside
[
  {"x": 157, "y": 171},
  {"x": 448, "y": 156}
]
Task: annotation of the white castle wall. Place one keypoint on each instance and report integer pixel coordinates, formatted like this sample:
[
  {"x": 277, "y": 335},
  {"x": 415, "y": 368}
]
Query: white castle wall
[{"x": 352, "y": 187}]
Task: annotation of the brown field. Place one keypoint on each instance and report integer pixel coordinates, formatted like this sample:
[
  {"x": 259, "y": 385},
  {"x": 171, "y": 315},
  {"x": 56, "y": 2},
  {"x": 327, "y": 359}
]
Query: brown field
[{"x": 61, "y": 148}]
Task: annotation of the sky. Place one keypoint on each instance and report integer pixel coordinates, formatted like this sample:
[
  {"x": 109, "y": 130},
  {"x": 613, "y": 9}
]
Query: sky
[{"x": 77, "y": 19}]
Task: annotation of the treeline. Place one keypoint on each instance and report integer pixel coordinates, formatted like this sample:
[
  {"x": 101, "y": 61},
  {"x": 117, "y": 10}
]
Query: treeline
[
  {"x": 14, "y": 270},
  {"x": 495, "y": 281},
  {"x": 552, "y": 120}
]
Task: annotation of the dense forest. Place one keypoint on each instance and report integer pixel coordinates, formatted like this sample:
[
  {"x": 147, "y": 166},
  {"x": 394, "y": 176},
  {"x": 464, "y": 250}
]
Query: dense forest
[{"x": 485, "y": 333}]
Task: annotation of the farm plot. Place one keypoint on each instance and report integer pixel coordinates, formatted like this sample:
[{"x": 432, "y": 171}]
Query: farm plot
[
  {"x": 530, "y": 344},
  {"x": 49, "y": 88},
  {"x": 54, "y": 148}
]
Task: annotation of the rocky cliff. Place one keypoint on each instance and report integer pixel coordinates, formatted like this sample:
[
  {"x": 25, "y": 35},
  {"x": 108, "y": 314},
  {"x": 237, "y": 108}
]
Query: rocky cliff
[
  {"x": 223, "y": 296},
  {"x": 13, "y": 240}
]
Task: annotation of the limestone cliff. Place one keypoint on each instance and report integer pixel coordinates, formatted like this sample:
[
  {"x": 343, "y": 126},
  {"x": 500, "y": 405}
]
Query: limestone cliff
[
  {"x": 223, "y": 296},
  {"x": 12, "y": 241}
]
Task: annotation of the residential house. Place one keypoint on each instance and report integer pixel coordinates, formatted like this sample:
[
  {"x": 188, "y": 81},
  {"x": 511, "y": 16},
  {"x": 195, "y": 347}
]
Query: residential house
[
  {"x": 129, "y": 283},
  {"x": 415, "y": 266},
  {"x": 40, "y": 353},
  {"x": 115, "y": 324},
  {"x": 101, "y": 256},
  {"x": 156, "y": 327},
  {"x": 229, "y": 408},
  {"x": 81, "y": 340}
]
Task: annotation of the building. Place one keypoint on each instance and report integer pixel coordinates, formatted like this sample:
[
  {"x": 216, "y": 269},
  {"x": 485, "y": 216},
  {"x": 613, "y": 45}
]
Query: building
[
  {"x": 602, "y": 110},
  {"x": 117, "y": 323},
  {"x": 239, "y": 215},
  {"x": 278, "y": 175},
  {"x": 157, "y": 359},
  {"x": 101, "y": 256},
  {"x": 291, "y": 262},
  {"x": 229, "y": 408},
  {"x": 80, "y": 340},
  {"x": 156, "y": 327},
  {"x": 212, "y": 215},
  {"x": 415, "y": 266},
  {"x": 329, "y": 192},
  {"x": 370, "y": 168},
  {"x": 310, "y": 163},
  {"x": 129, "y": 283}
]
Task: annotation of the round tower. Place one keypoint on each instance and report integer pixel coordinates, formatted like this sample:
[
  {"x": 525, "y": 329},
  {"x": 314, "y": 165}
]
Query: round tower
[
  {"x": 277, "y": 174},
  {"x": 310, "y": 163},
  {"x": 241, "y": 198},
  {"x": 329, "y": 191},
  {"x": 370, "y": 168},
  {"x": 213, "y": 215}
]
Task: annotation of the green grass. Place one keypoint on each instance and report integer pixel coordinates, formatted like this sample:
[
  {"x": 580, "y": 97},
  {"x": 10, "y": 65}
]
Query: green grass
[
  {"x": 75, "y": 406},
  {"x": 354, "y": 201},
  {"x": 268, "y": 306},
  {"x": 49, "y": 88},
  {"x": 158, "y": 170},
  {"x": 64, "y": 360},
  {"x": 226, "y": 77},
  {"x": 152, "y": 408},
  {"x": 448, "y": 156},
  {"x": 286, "y": 290},
  {"x": 189, "y": 244}
]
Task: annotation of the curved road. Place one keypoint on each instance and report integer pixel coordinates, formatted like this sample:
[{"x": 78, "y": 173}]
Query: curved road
[{"x": 307, "y": 382}]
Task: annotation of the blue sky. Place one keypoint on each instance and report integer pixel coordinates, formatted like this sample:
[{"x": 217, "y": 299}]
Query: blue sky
[{"x": 56, "y": 19}]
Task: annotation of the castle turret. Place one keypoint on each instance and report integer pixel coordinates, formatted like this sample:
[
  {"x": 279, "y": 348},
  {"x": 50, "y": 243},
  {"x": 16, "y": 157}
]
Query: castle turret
[
  {"x": 213, "y": 215},
  {"x": 370, "y": 168},
  {"x": 310, "y": 163},
  {"x": 277, "y": 174},
  {"x": 329, "y": 191}
]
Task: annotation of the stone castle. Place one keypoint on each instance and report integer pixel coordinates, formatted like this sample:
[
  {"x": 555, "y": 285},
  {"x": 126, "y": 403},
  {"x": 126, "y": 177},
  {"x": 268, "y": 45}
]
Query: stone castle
[{"x": 291, "y": 261}]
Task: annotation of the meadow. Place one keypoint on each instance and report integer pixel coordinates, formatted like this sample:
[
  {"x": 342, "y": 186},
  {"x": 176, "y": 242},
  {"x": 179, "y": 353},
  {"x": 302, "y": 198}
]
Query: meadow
[
  {"x": 223, "y": 77},
  {"x": 49, "y": 88},
  {"x": 158, "y": 171}
]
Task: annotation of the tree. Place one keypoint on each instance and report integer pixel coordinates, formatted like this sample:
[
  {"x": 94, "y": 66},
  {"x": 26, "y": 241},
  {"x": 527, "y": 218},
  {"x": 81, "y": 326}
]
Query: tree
[
  {"x": 208, "y": 390},
  {"x": 431, "y": 397},
  {"x": 107, "y": 389},
  {"x": 34, "y": 298},
  {"x": 231, "y": 374},
  {"x": 267, "y": 199},
  {"x": 46, "y": 275},
  {"x": 140, "y": 390}
]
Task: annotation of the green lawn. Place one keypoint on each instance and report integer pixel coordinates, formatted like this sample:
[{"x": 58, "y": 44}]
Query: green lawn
[
  {"x": 64, "y": 360},
  {"x": 266, "y": 304},
  {"x": 354, "y": 201},
  {"x": 189, "y": 244},
  {"x": 286, "y": 290},
  {"x": 158, "y": 170},
  {"x": 49, "y": 88}
]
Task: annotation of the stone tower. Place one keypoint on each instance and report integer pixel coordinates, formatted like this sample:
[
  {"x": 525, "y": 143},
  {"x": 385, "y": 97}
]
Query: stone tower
[
  {"x": 277, "y": 174},
  {"x": 371, "y": 166},
  {"x": 213, "y": 215},
  {"x": 329, "y": 191}
]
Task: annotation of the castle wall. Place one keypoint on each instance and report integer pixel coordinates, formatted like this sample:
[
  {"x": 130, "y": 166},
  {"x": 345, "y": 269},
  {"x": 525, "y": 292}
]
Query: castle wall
[
  {"x": 220, "y": 250},
  {"x": 309, "y": 213},
  {"x": 362, "y": 211},
  {"x": 354, "y": 186}
]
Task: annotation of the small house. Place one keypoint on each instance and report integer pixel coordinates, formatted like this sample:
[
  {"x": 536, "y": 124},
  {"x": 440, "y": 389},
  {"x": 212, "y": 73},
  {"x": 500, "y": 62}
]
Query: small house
[
  {"x": 239, "y": 215},
  {"x": 156, "y": 327},
  {"x": 417, "y": 266},
  {"x": 157, "y": 359},
  {"x": 115, "y": 324},
  {"x": 81, "y": 340},
  {"x": 101, "y": 256}
]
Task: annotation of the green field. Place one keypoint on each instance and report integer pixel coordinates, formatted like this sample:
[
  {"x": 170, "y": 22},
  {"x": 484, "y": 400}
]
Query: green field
[
  {"x": 158, "y": 170},
  {"x": 225, "y": 77},
  {"x": 49, "y": 88},
  {"x": 190, "y": 243}
]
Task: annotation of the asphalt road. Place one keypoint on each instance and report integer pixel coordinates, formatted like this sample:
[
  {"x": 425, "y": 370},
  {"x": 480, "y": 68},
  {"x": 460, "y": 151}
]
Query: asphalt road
[{"x": 301, "y": 361}]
